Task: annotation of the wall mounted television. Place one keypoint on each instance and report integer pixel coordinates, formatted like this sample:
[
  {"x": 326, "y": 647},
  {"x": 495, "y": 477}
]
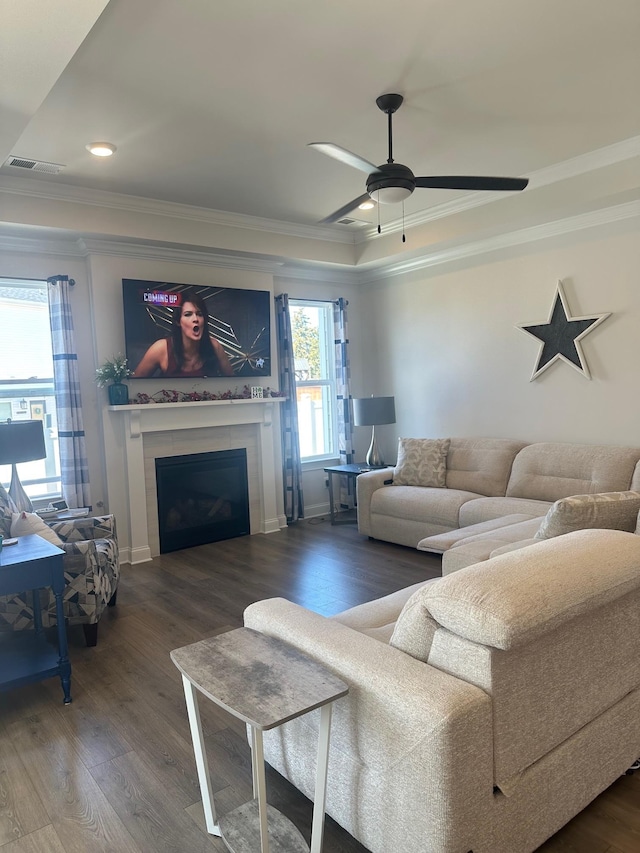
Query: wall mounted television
[{"x": 186, "y": 331}]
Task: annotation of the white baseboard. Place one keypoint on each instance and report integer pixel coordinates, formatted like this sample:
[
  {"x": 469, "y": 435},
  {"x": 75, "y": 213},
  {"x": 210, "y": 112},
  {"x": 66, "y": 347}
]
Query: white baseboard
[{"x": 315, "y": 510}]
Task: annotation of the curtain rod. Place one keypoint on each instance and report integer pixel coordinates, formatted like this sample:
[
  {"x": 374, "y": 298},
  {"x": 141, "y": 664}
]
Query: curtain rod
[
  {"x": 309, "y": 299},
  {"x": 54, "y": 279}
]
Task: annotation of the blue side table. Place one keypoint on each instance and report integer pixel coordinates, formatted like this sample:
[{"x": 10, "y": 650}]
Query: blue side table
[{"x": 26, "y": 656}]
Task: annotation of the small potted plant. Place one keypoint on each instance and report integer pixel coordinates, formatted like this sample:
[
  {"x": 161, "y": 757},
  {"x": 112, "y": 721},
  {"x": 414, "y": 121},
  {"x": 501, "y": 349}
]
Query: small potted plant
[{"x": 111, "y": 374}]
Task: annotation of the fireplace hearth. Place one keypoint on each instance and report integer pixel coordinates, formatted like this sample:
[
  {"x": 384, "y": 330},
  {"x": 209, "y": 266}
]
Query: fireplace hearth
[{"x": 202, "y": 498}]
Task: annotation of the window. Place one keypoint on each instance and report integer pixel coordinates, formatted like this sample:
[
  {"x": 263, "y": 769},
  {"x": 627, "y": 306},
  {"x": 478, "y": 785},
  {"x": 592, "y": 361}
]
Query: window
[
  {"x": 313, "y": 350},
  {"x": 26, "y": 380}
]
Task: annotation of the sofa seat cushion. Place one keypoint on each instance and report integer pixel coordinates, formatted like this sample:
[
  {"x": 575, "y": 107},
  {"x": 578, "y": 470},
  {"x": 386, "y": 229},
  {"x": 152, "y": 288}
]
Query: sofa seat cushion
[
  {"x": 441, "y": 542},
  {"x": 378, "y": 618},
  {"x": 417, "y": 503},
  {"x": 484, "y": 509},
  {"x": 513, "y": 546},
  {"x": 476, "y": 549},
  {"x": 608, "y": 510}
]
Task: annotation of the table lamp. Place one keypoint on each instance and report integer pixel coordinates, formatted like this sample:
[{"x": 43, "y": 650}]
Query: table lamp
[
  {"x": 373, "y": 412},
  {"x": 20, "y": 441}
]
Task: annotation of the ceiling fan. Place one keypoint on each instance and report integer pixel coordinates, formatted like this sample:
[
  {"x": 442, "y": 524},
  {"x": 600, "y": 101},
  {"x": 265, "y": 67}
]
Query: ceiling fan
[{"x": 392, "y": 182}]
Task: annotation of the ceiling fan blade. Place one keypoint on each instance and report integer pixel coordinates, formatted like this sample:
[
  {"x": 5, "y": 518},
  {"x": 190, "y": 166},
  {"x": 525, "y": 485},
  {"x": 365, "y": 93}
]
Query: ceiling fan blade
[
  {"x": 472, "y": 182},
  {"x": 347, "y": 208},
  {"x": 344, "y": 156}
]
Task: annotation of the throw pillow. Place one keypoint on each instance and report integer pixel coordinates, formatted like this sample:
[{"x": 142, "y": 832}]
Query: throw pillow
[
  {"x": 24, "y": 523},
  {"x": 607, "y": 510},
  {"x": 421, "y": 462}
]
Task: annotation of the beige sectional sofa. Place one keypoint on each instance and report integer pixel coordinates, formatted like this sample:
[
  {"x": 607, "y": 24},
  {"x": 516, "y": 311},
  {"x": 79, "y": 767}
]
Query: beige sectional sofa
[
  {"x": 486, "y": 708},
  {"x": 496, "y": 495}
]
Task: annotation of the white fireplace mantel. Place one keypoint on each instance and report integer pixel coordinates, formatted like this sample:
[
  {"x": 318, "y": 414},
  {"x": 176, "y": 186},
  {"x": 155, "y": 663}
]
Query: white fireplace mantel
[{"x": 134, "y": 420}]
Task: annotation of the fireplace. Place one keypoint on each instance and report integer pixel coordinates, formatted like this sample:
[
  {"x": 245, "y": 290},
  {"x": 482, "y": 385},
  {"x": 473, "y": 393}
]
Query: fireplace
[
  {"x": 136, "y": 435},
  {"x": 202, "y": 497}
]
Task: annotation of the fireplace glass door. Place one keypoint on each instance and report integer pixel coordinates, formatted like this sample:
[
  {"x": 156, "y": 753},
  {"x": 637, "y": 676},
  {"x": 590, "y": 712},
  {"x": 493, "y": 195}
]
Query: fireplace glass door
[{"x": 202, "y": 497}]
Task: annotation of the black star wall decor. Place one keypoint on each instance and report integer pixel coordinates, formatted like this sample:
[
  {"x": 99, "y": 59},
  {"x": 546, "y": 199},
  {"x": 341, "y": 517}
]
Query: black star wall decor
[{"x": 560, "y": 336}]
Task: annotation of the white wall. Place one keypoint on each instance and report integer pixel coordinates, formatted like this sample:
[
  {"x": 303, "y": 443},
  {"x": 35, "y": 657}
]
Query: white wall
[{"x": 446, "y": 345}]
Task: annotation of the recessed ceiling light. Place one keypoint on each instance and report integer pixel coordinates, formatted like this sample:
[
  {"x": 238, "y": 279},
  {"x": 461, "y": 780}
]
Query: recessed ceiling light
[
  {"x": 366, "y": 205},
  {"x": 101, "y": 149}
]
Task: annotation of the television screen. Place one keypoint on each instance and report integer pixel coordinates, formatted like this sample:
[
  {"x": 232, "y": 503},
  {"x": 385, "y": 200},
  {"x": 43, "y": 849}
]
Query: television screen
[{"x": 187, "y": 331}]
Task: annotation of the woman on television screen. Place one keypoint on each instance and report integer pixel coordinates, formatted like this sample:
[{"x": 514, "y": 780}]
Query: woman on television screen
[{"x": 190, "y": 350}]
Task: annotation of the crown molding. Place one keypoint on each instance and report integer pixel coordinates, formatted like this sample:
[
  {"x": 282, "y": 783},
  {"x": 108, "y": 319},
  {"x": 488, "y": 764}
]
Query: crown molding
[
  {"x": 322, "y": 274},
  {"x": 171, "y": 254},
  {"x": 509, "y": 240},
  {"x": 42, "y": 246},
  {"x": 580, "y": 165},
  {"x": 137, "y": 204},
  {"x": 318, "y": 274}
]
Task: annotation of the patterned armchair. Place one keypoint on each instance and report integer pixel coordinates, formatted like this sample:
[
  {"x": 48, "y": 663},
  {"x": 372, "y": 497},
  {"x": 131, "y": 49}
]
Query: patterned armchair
[{"x": 91, "y": 570}]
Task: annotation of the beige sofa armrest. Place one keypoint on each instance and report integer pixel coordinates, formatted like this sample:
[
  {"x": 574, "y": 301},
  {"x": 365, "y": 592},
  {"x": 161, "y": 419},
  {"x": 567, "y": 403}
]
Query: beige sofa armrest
[
  {"x": 419, "y": 698},
  {"x": 366, "y": 485},
  {"x": 401, "y": 718}
]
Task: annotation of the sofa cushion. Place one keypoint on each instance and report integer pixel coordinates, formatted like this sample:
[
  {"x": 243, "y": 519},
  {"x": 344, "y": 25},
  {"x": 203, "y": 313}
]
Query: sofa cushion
[
  {"x": 476, "y": 549},
  {"x": 550, "y": 471},
  {"x": 421, "y": 462},
  {"x": 467, "y": 554},
  {"x": 26, "y": 523},
  {"x": 441, "y": 542},
  {"x": 513, "y": 546},
  {"x": 428, "y": 505},
  {"x": 481, "y": 465},
  {"x": 512, "y": 599},
  {"x": 484, "y": 509},
  {"x": 609, "y": 510},
  {"x": 378, "y": 618}
]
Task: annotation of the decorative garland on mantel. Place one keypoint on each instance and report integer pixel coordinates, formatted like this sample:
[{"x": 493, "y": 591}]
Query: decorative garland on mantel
[{"x": 172, "y": 396}]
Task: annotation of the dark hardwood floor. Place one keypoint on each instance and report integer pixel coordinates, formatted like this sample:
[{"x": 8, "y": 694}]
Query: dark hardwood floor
[{"x": 114, "y": 771}]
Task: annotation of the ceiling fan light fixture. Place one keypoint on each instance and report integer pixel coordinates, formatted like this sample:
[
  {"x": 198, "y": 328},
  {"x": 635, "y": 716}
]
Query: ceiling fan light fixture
[
  {"x": 101, "y": 149},
  {"x": 391, "y": 195}
]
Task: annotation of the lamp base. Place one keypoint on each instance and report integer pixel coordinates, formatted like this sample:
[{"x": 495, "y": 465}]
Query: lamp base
[
  {"x": 374, "y": 457},
  {"x": 17, "y": 493}
]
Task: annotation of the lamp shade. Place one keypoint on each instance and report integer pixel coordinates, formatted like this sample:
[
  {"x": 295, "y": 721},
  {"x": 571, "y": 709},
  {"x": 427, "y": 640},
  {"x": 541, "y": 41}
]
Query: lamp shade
[
  {"x": 373, "y": 411},
  {"x": 21, "y": 441}
]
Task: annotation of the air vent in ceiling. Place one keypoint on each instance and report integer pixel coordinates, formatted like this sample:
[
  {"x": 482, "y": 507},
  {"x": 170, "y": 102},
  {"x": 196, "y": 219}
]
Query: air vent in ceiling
[
  {"x": 349, "y": 220},
  {"x": 33, "y": 165}
]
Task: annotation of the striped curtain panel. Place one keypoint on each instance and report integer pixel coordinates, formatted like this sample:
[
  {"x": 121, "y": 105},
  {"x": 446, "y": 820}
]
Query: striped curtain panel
[
  {"x": 343, "y": 393},
  {"x": 73, "y": 454},
  {"x": 291, "y": 467}
]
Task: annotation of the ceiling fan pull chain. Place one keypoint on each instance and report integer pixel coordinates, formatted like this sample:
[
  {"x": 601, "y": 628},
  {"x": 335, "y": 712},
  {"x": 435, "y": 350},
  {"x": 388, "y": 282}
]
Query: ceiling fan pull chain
[
  {"x": 404, "y": 239},
  {"x": 378, "y": 206}
]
